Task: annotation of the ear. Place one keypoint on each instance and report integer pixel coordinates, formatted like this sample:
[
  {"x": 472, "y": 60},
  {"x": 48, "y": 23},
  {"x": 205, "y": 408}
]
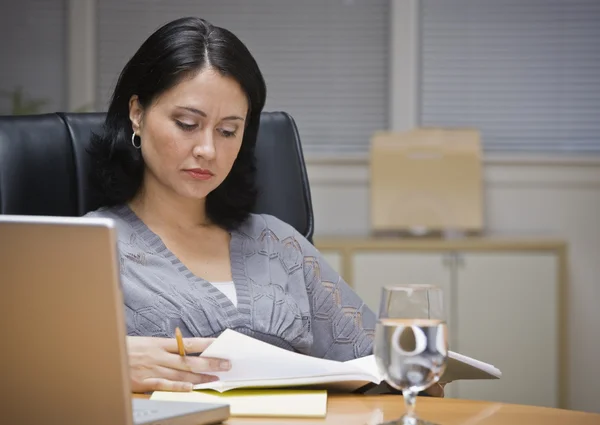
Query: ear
[{"x": 135, "y": 112}]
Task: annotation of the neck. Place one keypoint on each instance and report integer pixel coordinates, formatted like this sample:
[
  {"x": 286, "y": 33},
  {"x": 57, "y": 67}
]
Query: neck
[{"x": 156, "y": 206}]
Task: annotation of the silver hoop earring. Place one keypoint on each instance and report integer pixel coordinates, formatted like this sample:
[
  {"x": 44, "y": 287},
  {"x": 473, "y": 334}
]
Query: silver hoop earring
[{"x": 133, "y": 141}]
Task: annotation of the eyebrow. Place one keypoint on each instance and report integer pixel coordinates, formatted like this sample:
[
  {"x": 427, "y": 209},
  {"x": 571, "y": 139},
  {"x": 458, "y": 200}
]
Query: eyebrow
[{"x": 203, "y": 114}]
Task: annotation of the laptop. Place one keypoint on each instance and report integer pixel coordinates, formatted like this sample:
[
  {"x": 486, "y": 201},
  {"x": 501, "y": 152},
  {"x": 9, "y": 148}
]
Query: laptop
[{"x": 63, "y": 356}]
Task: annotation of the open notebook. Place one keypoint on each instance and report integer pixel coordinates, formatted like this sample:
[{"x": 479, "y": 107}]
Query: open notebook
[{"x": 256, "y": 364}]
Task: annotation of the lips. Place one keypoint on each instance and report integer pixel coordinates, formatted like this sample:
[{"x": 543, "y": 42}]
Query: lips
[{"x": 199, "y": 173}]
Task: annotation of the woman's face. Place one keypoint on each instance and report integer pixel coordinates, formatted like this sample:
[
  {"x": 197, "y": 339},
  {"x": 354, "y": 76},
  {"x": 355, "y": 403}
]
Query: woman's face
[{"x": 192, "y": 134}]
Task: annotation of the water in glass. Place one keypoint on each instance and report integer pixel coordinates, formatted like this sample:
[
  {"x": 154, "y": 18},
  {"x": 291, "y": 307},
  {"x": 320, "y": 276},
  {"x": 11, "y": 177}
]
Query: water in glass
[{"x": 411, "y": 341}]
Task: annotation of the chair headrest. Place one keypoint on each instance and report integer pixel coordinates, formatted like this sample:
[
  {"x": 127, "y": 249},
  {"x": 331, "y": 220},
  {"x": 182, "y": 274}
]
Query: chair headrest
[{"x": 44, "y": 167}]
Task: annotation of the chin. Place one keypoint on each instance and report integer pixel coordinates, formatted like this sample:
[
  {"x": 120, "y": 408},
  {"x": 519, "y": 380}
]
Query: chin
[
  {"x": 193, "y": 190},
  {"x": 195, "y": 193}
]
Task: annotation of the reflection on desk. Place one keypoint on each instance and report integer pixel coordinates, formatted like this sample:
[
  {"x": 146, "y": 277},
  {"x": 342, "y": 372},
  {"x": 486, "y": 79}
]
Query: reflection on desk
[{"x": 371, "y": 410}]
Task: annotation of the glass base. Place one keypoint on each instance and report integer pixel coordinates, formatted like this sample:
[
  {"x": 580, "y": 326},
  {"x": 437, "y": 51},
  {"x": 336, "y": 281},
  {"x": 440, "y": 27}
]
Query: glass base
[{"x": 408, "y": 421}]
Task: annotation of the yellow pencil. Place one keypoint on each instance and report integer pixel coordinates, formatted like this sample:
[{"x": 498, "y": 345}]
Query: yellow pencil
[{"x": 179, "y": 339}]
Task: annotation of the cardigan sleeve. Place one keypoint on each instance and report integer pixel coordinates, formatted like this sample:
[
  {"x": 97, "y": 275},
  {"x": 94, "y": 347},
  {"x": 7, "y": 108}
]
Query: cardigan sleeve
[{"x": 343, "y": 326}]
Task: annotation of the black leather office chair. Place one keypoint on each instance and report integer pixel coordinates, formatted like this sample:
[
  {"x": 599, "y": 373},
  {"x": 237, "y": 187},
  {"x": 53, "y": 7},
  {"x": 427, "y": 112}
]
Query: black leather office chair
[{"x": 44, "y": 167}]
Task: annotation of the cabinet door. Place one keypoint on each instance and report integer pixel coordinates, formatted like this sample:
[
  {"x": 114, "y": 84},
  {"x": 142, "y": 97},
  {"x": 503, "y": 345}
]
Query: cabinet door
[
  {"x": 374, "y": 270},
  {"x": 507, "y": 315}
]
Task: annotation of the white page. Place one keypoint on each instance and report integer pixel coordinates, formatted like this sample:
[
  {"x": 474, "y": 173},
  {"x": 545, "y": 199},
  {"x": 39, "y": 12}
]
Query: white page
[
  {"x": 252, "y": 359},
  {"x": 368, "y": 364},
  {"x": 255, "y": 363},
  {"x": 458, "y": 367},
  {"x": 339, "y": 383}
]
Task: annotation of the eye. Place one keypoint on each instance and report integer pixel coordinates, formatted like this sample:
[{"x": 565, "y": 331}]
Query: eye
[
  {"x": 227, "y": 133},
  {"x": 185, "y": 127}
]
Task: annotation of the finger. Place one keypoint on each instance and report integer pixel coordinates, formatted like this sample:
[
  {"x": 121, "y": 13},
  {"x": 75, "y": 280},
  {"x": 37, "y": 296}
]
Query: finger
[
  {"x": 191, "y": 345},
  {"x": 162, "y": 384},
  {"x": 194, "y": 364},
  {"x": 184, "y": 376}
]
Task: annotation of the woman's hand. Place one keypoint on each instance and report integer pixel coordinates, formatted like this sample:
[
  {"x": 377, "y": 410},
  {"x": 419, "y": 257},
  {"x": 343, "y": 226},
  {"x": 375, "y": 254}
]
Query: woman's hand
[{"x": 155, "y": 364}]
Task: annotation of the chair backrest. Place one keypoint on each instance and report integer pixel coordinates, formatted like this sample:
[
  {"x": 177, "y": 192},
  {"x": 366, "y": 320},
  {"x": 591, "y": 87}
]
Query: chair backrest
[{"x": 45, "y": 168}]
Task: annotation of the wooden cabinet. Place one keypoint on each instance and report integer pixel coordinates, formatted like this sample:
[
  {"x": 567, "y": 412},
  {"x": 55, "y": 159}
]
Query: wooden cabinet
[
  {"x": 373, "y": 270},
  {"x": 502, "y": 299}
]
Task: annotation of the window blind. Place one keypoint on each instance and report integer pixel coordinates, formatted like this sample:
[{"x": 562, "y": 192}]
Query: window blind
[
  {"x": 33, "y": 52},
  {"x": 525, "y": 72},
  {"x": 324, "y": 61}
]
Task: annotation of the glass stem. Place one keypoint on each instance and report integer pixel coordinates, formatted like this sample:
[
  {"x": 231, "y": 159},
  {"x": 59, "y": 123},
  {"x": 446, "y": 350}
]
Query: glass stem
[{"x": 410, "y": 397}]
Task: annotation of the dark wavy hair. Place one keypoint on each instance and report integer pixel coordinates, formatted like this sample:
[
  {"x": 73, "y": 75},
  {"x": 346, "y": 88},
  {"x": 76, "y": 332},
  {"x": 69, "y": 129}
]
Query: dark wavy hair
[{"x": 178, "y": 50}]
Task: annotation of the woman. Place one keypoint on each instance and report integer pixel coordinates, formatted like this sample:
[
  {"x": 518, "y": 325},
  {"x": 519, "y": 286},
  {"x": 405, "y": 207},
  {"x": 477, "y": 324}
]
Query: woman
[{"x": 175, "y": 167}]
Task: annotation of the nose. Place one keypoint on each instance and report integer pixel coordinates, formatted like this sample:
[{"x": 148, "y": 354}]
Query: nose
[{"x": 204, "y": 147}]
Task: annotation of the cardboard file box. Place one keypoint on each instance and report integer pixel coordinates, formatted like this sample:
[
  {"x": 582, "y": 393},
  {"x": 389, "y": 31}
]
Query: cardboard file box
[{"x": 426, "y": 180}]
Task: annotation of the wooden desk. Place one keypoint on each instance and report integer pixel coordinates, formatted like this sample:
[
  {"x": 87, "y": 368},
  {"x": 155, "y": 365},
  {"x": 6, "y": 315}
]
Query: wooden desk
[{"x": 371, "y": 410}]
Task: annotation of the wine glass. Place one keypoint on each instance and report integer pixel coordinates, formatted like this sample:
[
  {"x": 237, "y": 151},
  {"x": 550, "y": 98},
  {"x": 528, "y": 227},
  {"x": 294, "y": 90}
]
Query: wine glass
[{"x": 411, "y": 341}]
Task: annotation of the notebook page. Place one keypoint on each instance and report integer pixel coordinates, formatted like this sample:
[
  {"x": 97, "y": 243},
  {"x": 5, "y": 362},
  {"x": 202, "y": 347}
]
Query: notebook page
[{"x": 252, "y": 359}]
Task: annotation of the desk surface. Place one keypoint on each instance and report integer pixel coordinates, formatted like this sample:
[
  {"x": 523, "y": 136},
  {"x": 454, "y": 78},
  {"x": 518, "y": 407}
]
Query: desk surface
[{"x": 371, "y": 410}]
